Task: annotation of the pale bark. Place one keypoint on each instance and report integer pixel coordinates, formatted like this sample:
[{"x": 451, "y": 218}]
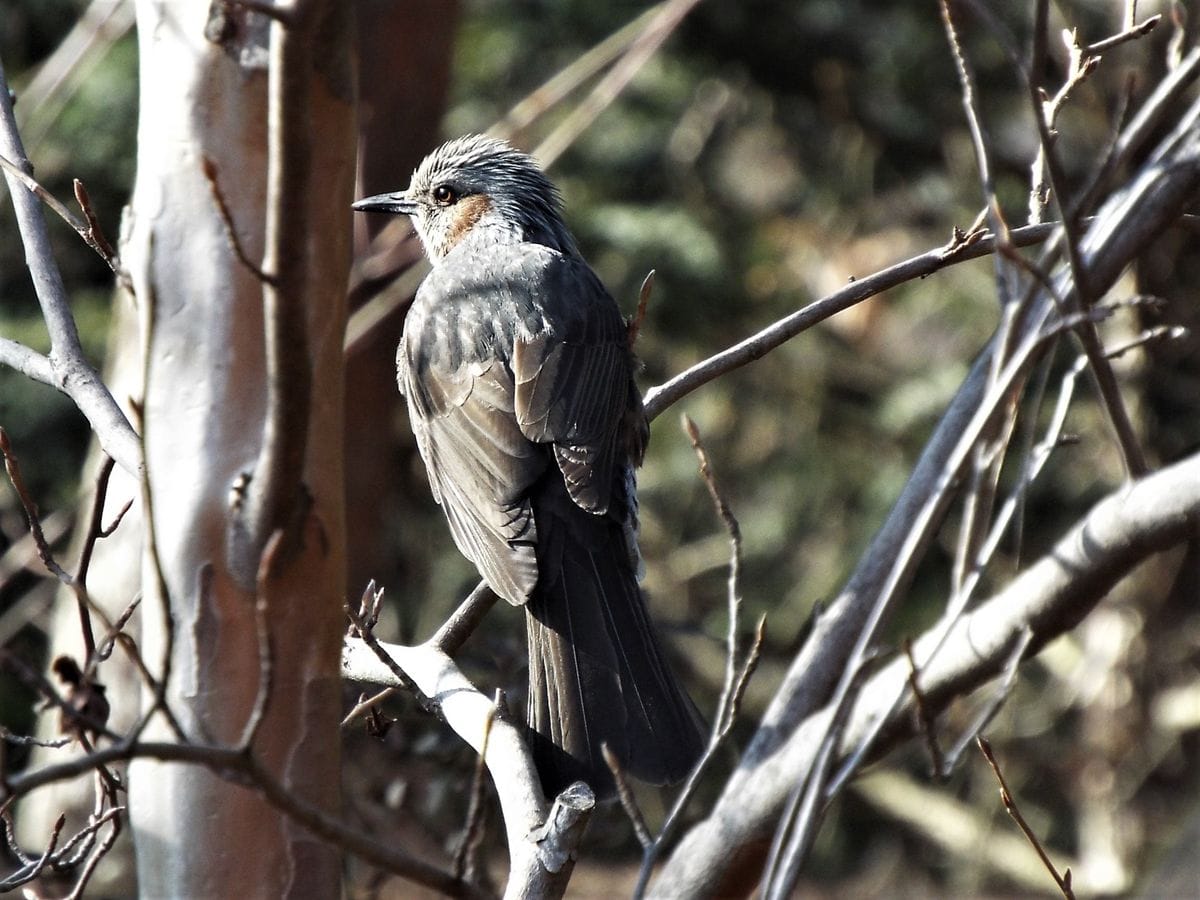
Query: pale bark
[{"x": 205, "y": 402}]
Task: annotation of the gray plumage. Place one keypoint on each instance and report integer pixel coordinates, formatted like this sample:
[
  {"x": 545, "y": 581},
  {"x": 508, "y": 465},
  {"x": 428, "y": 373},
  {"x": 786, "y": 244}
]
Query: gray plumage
[{"x": 518, "y": 375}]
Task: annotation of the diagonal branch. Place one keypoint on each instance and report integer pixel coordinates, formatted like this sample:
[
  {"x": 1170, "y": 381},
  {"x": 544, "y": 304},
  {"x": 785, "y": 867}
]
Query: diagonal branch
[
  {"x": 540, "y": 840},
  {"x": 69, "y": 369},
  {"x": 660, "y": 397},
  {"x": 1153, "y": 199}
]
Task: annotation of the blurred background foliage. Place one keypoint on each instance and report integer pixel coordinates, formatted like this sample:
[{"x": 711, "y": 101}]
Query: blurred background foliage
[{"x": 771, "y": 151}]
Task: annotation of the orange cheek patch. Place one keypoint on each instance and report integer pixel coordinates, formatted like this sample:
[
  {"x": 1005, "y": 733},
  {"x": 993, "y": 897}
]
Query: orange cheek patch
[{"x": 467, "y": 212}]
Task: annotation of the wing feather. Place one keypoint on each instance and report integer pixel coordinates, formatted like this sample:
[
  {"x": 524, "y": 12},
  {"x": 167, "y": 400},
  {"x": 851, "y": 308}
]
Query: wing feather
[
  {"x": 515, "y": 360},
  {"x": 574, "y": 381}
]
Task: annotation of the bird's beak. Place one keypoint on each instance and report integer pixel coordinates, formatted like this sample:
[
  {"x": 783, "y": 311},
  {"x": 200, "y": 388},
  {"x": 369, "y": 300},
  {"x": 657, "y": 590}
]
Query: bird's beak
[{"x": 398, "y": 202}]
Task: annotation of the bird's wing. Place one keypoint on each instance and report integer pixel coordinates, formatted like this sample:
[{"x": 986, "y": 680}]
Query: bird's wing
[
  {"x": 453, "y": 372},
  {"x": 574, "y": 385},
  {"x": 512, "y": 356}
]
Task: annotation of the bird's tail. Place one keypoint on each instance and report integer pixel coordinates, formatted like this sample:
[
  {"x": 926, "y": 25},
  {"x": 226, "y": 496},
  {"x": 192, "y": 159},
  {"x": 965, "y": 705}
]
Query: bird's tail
[{"x": 597, "y": 672}]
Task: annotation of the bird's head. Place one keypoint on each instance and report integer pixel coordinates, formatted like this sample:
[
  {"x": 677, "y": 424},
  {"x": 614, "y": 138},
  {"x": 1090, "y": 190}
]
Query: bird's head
[{"x": 481, "y": 189}]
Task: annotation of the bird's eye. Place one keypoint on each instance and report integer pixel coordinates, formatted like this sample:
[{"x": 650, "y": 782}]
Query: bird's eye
[{"x": 444, "y": 194}]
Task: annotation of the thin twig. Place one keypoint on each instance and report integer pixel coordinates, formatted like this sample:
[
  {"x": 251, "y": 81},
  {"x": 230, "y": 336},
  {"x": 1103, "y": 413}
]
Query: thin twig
[
  {"x": 90, "y": 233},
  {"x": 107, "y": 531},
  {"x": 666, "y": 833},
  {"x": 105, "y": 647},
  {"x": 262, "y": 631},
  {"x": 113, "y": 817},
  {"x": 235, "y": 242},
  {"x": 625, "y": 795},
  {"x": 465, "y": 858},
  {"x": 26, "y": 740},
  {"x": 640, "y": 51},
  {"x": 238, "y": 767},
  {"x": 1010, "y": 805},
  {"x": 963, "y": 593},
  {"x": 1129, "y": 34},
  {"x": 995, "y": 217},
  {"x": 363, "y": 630},
  {"x": 31, "y": 868},
  {"x": 560, "y": 85},
  {"x": 32, "y": 520},
  {"x": 989, "y": 452},
  {"x": 93, "y": 234},
  {"x": 462, "y": 623},
  {"x": 797, "y": 828},
  {"x": 1008, "y": 680},
  {"x": 926, "y": 724},
  {"x": 365, "y": 706},
  {"x": 93, "y": 533},
  {"x": 662, "y": 396},
  {"x": 737, "y": 676},
  {"x": 1045, "y": 116},
  {"x": 635, "y": 324},
  {"x": 35, "y": 187},
  {"x": 276, "y": 498},
  {"x": 1085, "y": 296},
  {"x": 733, "y": 592}
]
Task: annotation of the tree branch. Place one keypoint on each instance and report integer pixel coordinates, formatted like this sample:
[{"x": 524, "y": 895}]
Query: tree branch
[
  {"x": 275, "y": 497},
  {"x": 501, "y": 742},
  {"x": 1048, "y": 598},
  {"x": 68, "y": 368},
  {"x": 1153, "y": 198},
  {"x": 660, "y": 397},
  {"x": 240, "y": 766}
]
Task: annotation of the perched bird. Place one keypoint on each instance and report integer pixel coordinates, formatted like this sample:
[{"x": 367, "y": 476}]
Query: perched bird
[{"x": 516, "y": 368}]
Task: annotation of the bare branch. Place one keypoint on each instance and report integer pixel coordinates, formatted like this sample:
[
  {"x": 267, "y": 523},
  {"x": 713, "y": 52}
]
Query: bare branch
[
  {"x": 1010, "y": 804},
  {"x": 70, "y": 371},
  {"x": 660, "y": 397},
  {"x": 26, "y": 740},
  {"x": 737, "y": 677},
  {"x": 1048, "y": 598},
  {"x": 467, "y": 856},
  {"x": 32, "y": 520},
  {"x": 1131, "y": 33},
  {"x": 640, "y": 51},
  {"x": 552, "y": 92},
  {"x": 276, "y": 498},
  {"x": 266, "y": 659},
  {"x": 464, "y": 620},
  {"x": 625, "y": 795},
  {"x": 367, "y": 705},
  {"x": 93, "y": 235},
  {"x": 540, "y": 844},
  {"x": 235, "y": 242},
  {"x": 1007, "y": 680},
  {"x": 31, "y": 868},
  {"x": 244, "y": 768},
  {"x": 790, "y": 734},
  {"x": 925, "y": 720}
]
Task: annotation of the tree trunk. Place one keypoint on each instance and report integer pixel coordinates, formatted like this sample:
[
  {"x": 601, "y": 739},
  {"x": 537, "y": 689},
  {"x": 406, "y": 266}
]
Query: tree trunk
[{"x": 205, "y": 95}]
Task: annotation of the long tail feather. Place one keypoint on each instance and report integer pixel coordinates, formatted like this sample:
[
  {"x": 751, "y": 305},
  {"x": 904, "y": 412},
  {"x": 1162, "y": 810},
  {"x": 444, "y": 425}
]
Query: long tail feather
[{"x": 597, "y": 671}]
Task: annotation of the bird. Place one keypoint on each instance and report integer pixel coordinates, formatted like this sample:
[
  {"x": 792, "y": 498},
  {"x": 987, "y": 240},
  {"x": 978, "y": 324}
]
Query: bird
[{"x": 518, "y": 375}]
